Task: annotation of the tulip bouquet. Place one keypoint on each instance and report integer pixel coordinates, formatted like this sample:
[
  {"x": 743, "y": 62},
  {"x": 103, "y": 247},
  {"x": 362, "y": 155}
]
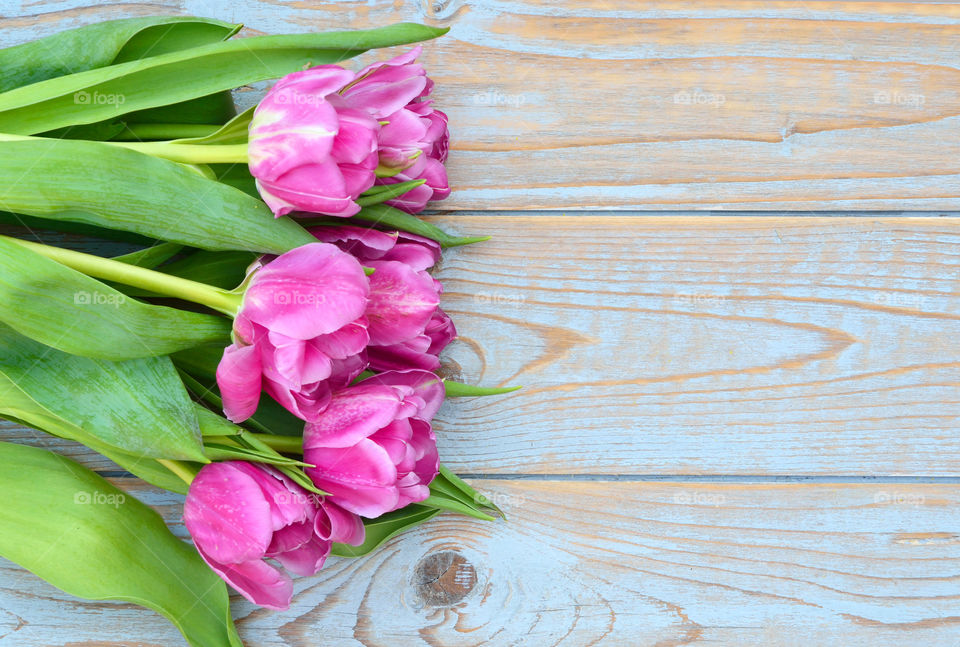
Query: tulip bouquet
[{"x": 271, "y": 346}]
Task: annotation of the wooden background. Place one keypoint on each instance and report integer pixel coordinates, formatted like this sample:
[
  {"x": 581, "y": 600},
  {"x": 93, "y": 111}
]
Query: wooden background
[{"x": 737, "y": 428}]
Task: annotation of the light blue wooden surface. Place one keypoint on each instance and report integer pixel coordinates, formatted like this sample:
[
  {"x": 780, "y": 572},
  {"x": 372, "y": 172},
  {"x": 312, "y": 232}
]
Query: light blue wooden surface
[{"x": 737, "y": 429}]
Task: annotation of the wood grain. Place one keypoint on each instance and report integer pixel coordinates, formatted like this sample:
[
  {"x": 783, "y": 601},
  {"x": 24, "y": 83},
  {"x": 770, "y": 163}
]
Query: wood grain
[
  {"x": 703, "y": 345},
  {"x": 599, "y": 564},
  {"x": 659, "y": 105}
]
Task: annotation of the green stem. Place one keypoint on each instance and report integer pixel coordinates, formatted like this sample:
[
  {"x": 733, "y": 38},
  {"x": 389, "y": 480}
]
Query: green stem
[
  {"x": 143, "y": 132},
  {"x": 286, "y": 444},
  {"x": 158, "y": 282},
  {"x": 181, "y": 469},
  {"x": 183, "y": 153},
  {"x": 190, "y": 153}
]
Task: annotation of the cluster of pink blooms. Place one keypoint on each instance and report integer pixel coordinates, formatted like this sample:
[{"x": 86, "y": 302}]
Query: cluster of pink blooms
[
  {"x": 312, "y": 320},
  {"x": 319, "y": 137}
]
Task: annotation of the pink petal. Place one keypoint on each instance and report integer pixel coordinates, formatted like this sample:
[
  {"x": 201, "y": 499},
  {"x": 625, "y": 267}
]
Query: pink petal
[
  {"x": 336, "y": 524},
  {"x": 306, "y": 403},
  {"x": 401, "y": 303},
  {"x": 426, "y": 385},
  {"x": 227, "y": 515},
  {"x": 312, "y": 290},
  {"x": 316, "y": 188},
  {"x": 257, "y": 581},
  {"x": 361, "y": 242},
  {"x": 239, "y": 380},
  {"x": 306, "y": 559},
  {"x": 352, "y": 415},
  {"x": 359, "y": 479}
]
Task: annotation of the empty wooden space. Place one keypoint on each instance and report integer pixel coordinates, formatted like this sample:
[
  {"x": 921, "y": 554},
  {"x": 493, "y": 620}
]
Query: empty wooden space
[{"x": 736, "y": 428}]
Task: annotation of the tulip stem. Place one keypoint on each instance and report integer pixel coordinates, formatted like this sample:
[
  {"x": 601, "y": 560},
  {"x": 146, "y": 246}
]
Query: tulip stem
[
  {"x": 181, "y": 469},
  {"x": 190, "y": 153},
  {"x": 183, "y": 153},
  {"x": 143, "y": 132},
  {"x": 105, "y": 268},
  {"x": 286, "y": 444}
]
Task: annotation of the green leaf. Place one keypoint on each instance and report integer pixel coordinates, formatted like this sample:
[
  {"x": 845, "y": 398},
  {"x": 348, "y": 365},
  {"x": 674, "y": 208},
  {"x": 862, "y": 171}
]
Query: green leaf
[
  {"x": 81, "y": 534},
  {"x": 108, "y": 186},
  {"x": 459, "y": 389},
  {"x": 36, "y": 228},
  {"x": 200, "y": 364},
  {"x": 387, "y": 216},
  {"x": 220, "y": 269},
  {"x": 385, "y": 527},
  {"x": 138, "y": 406},
  {"x": 232, "y": 132},
  {"x": 101, "y": 94},
  {"x": 101, "y": 44},
  {"x": 238, "y": 176},
  {"x": 448, "y": 481},
  {"x": 444, "y": 502},
  {"x": 72, "y": 312},
  {"x": 383, "y": 192},
  {"x": 151, "y": 257}
]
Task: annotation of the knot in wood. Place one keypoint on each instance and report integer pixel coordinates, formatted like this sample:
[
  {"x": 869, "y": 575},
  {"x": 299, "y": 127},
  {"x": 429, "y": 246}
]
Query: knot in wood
[{"x": 444, "y": 579}]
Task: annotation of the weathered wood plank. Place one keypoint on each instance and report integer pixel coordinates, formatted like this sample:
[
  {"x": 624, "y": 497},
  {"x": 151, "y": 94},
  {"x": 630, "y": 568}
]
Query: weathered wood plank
[
  {"x": 599, "y": 563},
  {"x": 707, "y": 345},
  {"x": 701, "y": 345},
  {"x": 659, "y": 105}
]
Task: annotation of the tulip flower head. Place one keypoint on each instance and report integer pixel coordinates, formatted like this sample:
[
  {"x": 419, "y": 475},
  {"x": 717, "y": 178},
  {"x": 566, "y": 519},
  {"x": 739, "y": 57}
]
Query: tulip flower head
[
  {"x": 308, "y": 149},
  {"x": 413, "y": 140},
  {"x": 300, "y": 334},
  {"x": 406, "y": 325},
  {"x": 240, "y": 514},
  {"x": 373, "y": 448}
]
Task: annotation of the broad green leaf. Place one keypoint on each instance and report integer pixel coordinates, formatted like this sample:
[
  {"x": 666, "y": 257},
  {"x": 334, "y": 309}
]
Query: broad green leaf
[
  {"x": 232, "y": 132},
  {"x": 151, "y": 257},
  {"x": 137, "y": 406},
  {"x": 81, "y": 534},
  {"x": 72, "y": 312},
  {"x": 105, "y": 93},
  {"x": 238, "y": 176},
  {"x": 459, "y": 389},
  {"x": 385, "y": 527},
  {"x": 220, "y": 269},
  {"x": 36, "y": 229},
  {"x": 388, "y": 217},
  {"x": 108, "y": 186},
  {"x": 105, "y": 43}
]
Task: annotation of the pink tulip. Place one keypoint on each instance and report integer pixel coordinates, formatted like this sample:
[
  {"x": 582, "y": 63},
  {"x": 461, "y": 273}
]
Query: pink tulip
[
  {"x": 301, "y": 332},
  {"x": 308, "y": 149},
  {"x": 406, "y": 325},
  {"x": 240, "y": 514},
  {"x": 373, "y": 448},
  {"x": 414, "y": 138}
]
